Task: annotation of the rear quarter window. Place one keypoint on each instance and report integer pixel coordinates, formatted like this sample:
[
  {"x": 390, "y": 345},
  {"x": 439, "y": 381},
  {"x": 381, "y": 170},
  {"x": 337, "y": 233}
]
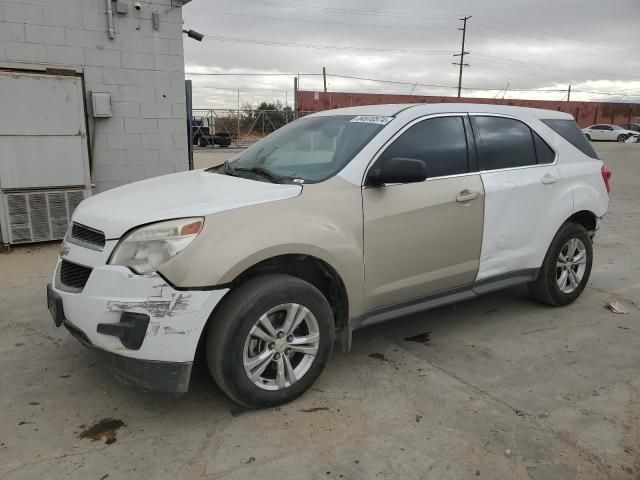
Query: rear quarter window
[{"x": 568, "y": 130}]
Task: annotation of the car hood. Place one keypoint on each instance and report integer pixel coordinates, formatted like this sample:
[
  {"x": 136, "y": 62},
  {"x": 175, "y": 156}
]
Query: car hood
[{"x": 185, "y": 194}]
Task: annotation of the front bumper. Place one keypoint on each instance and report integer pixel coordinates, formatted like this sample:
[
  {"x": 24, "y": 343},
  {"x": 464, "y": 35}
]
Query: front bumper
[
  {"x": 170, "y": 377},
  {"x": 163, "y": 353}
]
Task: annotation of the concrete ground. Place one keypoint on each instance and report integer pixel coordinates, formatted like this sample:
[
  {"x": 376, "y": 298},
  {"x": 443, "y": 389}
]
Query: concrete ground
[
  {"x": 499, "y": 387},
  {"x": 210, "y": 157}
]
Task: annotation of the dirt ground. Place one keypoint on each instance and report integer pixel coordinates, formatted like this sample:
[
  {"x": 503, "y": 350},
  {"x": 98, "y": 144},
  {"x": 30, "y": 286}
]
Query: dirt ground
[{"x": 499, "y": 387}]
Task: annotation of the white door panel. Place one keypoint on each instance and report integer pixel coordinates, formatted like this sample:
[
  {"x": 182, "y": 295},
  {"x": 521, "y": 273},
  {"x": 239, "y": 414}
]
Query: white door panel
[
  {"x": 523, "y": 209},
  {"x": 43, "y": 138},
  {"x": 30, "y": 161}
]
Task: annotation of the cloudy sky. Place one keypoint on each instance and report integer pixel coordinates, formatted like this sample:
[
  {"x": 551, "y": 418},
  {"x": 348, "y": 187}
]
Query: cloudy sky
[{"x": 536, "y": 47}]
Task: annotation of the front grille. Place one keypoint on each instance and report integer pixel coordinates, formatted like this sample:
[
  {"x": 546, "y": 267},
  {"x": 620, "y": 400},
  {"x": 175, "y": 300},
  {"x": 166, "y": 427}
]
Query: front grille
[
  {"x": 74, "y": 275},
  {"x": 87, "y": 235}
]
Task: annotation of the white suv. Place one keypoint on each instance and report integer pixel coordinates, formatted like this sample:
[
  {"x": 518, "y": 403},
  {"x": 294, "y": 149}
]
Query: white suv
[{"x": 337, "y": 221}]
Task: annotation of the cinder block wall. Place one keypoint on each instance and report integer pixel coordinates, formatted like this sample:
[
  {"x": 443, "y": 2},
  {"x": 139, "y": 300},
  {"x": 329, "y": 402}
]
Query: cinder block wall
[
  {"x": 141, "y": 67},
  {"x": 585, "y": 113}
]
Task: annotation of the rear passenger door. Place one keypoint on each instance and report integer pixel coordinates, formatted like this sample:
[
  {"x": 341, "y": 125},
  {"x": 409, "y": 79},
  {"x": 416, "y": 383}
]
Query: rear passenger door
[
  {"x": 526, "y": 197},
  {"x": 423, "y": 238},
  {"x": 602, "y": 132}
]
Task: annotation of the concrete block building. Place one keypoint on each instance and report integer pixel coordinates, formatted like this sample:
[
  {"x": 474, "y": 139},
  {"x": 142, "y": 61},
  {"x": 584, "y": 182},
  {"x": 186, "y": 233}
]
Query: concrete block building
[{"x": 92, "y": 96}]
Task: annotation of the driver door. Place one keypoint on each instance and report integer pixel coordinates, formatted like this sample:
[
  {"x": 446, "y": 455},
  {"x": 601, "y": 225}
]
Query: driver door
[{"x": 424, "y": 238}]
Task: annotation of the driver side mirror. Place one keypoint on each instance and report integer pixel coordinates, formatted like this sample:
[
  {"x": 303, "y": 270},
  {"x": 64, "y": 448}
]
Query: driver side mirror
[{"x": 397, "y": 170}]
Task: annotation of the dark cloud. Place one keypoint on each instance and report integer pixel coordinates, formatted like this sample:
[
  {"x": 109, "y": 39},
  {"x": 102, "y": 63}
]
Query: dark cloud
[{"x": 530, "y": 45}]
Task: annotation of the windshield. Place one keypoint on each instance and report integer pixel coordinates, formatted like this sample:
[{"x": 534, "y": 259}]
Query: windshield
[
  {"x": 310, "y": 149},
  {"x": 617, "y": 127}
]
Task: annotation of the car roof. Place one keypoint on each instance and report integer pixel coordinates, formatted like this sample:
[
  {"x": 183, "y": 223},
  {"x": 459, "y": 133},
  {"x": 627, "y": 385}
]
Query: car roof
[{"x": 432, "y": 108}]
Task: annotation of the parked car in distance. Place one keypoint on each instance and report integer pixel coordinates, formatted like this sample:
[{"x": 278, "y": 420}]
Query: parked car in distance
[
  {"x": 631, "y": 126},
  {"x": 339, "y": 220},
  {"x": 608, "y": 132}
]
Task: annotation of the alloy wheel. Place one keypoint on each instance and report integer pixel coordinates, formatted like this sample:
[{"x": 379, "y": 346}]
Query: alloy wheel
[
  {"x": 571, "y": 265},
  {"x": 281, "y": 346}
]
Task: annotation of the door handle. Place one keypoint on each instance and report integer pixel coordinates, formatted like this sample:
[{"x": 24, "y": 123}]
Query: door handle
[
  {"x": 467, "y": 196},
  {"x": 549, "y": 179}
]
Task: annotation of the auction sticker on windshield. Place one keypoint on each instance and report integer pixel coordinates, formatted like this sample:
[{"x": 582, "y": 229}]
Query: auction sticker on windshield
[{"x": 380, "y": 120}]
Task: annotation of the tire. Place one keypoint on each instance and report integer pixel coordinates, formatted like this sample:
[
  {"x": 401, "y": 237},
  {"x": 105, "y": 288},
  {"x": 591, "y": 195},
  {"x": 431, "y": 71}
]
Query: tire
[
  {"x": 588, "y": 136},
  {"x": 231, "y": 337},
  {"x": 622, "y": 138},
  {"x": 546, "y": 288}
]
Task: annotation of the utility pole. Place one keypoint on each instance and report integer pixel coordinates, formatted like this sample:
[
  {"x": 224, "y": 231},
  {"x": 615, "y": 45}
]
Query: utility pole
[
  {"x": 462, "y": 53},
  {"x": 295, "y": 97},
  {"x": 505, "y": 92},
  {"x": 238, "y": 119},
  {"x": 324, "y": 78},
  {"x": 569, "y": 94}
]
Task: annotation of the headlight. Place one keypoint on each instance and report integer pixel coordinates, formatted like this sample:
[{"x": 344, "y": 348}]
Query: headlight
[{"x": 145, "y": 249}]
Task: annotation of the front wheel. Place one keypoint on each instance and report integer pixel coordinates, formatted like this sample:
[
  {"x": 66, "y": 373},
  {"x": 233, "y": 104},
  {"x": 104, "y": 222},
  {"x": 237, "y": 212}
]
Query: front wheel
[
  {"x": 622, "y": 138},
  {"x": 270, "y": 340},
  {"x": 566, "y": 268}
]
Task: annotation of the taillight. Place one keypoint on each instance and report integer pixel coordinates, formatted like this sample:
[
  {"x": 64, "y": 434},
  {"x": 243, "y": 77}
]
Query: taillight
[{"x": 606, "y": 176}]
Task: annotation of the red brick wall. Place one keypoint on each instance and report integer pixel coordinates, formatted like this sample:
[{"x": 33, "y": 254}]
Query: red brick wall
[{"x": 586, "y": 113}]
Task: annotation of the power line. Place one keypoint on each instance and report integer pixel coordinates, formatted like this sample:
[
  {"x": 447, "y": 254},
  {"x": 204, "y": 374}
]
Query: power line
[
  {"x": 510, "y": 39},
  {"x": 347, "y": 11},
  {"x": 315, "y": 46},
  {"x": 250, "y": 74},
  {"x": 519, "y": 63},
  {"x": 387, "y": 81},
  {"x": 489, "y": 58},
  {"x": 396, "y": 82},
  {"x": 322, "y": 22},
  {"x": 493, "y": 24},
  {"x": 488, "y": 22}
]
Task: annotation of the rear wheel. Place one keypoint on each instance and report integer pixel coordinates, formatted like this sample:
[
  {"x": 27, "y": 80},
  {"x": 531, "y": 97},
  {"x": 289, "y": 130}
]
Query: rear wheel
[
  {"x": 622, "y": 138},
  {"x": 270, "y": 340},
  {"x": 566, "y": 268}
]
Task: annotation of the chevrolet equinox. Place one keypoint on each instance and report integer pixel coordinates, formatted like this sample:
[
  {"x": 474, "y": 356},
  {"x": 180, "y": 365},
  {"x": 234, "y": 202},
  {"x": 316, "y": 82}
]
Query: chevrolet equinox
[{"x": 339, "y": 220}]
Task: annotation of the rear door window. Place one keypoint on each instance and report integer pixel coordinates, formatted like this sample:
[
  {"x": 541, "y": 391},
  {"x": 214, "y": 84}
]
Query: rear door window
[
  {"x": 568, "y": 130},
  {"x": 504, "y": 143},
  {"x": 439, "y": 142}
]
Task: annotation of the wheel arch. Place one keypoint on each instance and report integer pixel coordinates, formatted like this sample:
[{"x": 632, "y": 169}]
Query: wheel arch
[
  {"x": 312, "y": 269},
  {"x": 586, "y": 218}
]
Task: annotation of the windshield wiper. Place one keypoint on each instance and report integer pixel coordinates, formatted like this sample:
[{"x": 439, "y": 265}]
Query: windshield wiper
[
  {"x": 260, "y": 171},
  {"x": 263, "y": 172}
]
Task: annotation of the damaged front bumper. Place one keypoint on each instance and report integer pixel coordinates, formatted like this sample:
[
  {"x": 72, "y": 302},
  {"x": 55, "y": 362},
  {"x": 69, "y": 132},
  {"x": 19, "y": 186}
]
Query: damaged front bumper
[{"x": 146, "y": 331}]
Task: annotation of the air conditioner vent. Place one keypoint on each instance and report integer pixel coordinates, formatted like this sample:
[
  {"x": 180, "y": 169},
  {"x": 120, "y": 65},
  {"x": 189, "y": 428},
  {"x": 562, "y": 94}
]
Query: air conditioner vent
[{"x": 39, "y": 216}]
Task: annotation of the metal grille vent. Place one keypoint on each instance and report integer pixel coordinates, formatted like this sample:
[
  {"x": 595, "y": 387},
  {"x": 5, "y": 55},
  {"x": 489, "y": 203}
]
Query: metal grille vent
[
  {"x": 87, "y": 235},
  {"x": 73, "y": 275},
  {"x": 42, "y": 215}
]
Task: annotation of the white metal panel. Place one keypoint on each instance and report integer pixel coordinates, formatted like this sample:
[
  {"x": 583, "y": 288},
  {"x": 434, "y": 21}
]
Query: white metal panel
[
  {"x": 41, "y": 161},
  {"x": 40, "y": 104},
  {"x": 522, "y": 215},
  {"x": 42, "y": 131}
]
